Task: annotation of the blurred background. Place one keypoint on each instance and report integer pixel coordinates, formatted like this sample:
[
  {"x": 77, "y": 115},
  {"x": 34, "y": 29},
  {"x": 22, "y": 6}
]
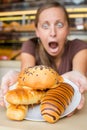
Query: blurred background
[{"x": 17, "y": 23}]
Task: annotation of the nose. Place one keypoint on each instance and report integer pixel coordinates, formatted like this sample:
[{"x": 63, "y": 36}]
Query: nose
[{"x": 53, "y": 31}]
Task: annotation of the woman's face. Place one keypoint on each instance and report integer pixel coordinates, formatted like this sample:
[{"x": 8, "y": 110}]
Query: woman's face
[{"x": 52, "y": 30}]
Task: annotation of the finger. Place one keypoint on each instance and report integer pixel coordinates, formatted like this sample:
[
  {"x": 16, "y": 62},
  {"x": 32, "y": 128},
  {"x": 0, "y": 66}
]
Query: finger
[
  {"x": 4, "y": 88},
  {"x": 4, "y": 85},
  {"x": 69, "y": 115},
  {"x": 1, "y": 99},
  {"x": 4, "y": 82},
  {"x": 81, "y": 89},
  {"x": 2, "y": 104},
  {"x": 82, "y": 102}
]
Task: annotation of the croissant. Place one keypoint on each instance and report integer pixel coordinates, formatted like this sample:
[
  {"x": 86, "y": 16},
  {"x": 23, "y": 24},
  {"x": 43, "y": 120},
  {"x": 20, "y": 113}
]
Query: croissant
[
  {"x": 56, "y": 101},
  {"x": 16, "y": 112},
  {"x": 24, "y": 96}
]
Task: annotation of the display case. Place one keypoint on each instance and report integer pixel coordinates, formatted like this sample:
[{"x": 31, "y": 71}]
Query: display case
[{"x": 17, "y": 23}]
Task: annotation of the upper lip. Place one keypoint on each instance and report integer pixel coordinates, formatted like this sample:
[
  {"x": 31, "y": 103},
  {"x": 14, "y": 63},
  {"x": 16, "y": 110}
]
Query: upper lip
[{"x": 52, "y": 42}]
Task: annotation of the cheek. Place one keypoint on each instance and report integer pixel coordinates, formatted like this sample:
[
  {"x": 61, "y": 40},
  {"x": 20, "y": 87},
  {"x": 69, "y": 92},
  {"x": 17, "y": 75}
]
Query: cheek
[
  {"x": 39, "y": 33},
  {"x": 42, "y": 35},
  {"x": 63, "y": 34}
]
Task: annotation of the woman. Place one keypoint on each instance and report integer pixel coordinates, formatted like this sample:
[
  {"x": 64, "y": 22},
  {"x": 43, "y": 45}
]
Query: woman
[{"x": 52, "y": 48}]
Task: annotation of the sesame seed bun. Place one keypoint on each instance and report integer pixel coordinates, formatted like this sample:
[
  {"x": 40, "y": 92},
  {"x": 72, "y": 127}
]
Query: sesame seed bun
[{"x": 39, "y": 78}]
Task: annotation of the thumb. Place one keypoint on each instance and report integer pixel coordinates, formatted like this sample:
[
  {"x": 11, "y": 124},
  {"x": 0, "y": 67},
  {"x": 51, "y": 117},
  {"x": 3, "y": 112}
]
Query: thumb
[
  {"x": 82, "y": 102},
  {"x": 5, "y": 90}
]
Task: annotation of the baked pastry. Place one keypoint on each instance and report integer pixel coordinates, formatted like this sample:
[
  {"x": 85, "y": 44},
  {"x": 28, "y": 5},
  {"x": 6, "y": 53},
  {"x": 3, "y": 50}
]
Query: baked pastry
[
  {"x": 39, "y": 78},
  {"x": 24, "y": 96},
  {"x": 16, "y": 112},
  {"x": 33, "y": 83},
  {"x": 56, "y": 101}
]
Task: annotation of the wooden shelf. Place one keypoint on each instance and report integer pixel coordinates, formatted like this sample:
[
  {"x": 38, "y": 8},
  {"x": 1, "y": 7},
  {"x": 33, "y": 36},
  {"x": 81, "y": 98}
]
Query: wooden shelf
[{"x": 28, "y": 13}]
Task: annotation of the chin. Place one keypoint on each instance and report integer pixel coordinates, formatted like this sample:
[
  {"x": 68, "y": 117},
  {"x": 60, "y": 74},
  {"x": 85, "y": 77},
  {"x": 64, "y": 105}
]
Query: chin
[{"x": 53, "y": 54}]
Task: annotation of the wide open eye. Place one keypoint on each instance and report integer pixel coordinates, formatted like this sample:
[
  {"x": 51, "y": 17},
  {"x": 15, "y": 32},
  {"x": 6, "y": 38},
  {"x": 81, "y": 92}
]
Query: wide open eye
[
  {"x": 45, "y": 26},
  {"x": 59, "y": 25}
]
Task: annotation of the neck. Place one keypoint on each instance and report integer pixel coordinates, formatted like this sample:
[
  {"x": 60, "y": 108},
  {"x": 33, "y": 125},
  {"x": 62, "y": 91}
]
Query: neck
[{"x": 58, "y": 58}]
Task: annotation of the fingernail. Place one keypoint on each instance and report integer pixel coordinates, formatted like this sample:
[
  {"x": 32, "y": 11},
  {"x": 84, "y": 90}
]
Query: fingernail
[
  {"x": 81, "y": 90},
  {"x": 79, "y": 107}
]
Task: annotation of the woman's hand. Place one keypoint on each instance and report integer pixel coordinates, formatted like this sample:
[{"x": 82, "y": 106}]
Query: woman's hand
[
  {"x": 81, "y": 81},
  {"x": 7, "y": 80}
]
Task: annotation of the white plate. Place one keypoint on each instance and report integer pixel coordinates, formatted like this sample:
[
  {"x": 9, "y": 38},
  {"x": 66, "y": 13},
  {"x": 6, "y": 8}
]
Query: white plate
[{"x": 34, "y": 113}]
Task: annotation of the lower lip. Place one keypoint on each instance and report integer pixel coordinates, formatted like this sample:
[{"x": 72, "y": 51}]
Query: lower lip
[{"x": 54, "y": 51}]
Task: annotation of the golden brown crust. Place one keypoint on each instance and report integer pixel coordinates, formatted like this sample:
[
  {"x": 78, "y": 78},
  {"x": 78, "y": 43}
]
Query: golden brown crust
[
  {"x": 67, "y": 89},
  {"x": 16, "y": 112},
  {"x": 56, "y": 101},
  {"x": 24, "y": 96},
  {"x": 39, "y": 77}
]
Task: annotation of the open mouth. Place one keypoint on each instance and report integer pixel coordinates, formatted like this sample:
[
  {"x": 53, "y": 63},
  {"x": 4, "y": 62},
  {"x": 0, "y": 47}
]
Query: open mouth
[{"x": 53, "y": 45}]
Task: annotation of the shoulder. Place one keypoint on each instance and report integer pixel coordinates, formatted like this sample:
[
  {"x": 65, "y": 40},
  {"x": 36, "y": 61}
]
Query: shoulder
[
  {"x": 29, "y": 45},
  {"x": 76, "y": 44},
  {"x": 32, "y": 40}
]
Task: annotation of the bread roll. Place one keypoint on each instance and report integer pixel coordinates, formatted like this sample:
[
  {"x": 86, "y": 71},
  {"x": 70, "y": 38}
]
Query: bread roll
[
  {"x": 24, "y": 96},
  {"x": 56, "y": 101},
  {"x": 32, "y": 83},
  {"x": 39, "y": 78},
  {"x": 16, "y": 112}
]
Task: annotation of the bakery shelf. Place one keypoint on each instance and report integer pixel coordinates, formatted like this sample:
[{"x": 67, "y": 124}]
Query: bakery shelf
[
  {"x": 17, "y": 19},
  {"x": 23, "y": 13},
  {"x": 23, "y": 36}
]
